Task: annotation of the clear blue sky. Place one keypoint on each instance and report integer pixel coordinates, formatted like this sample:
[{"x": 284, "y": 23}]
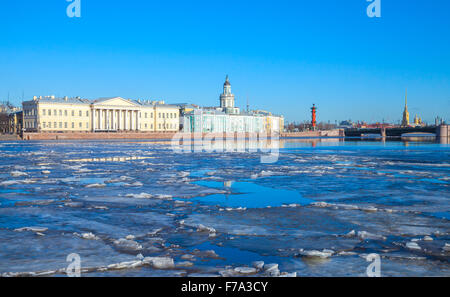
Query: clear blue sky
[{"x": 283, "y": 55}]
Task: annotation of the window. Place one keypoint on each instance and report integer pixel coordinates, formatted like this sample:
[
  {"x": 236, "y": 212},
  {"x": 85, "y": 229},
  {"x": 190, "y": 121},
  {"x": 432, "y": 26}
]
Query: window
[
  {"x": 43, "y": 125},
  {"x": 159, "y": 126},
  {"x": 87, "y": 113},
  {"x": 81, "y": 113},
  {"x": 55, "y": 113},
  {"x": 49, "y": 112},
  {"x": 159, "y": 115},
  {"x": 151, "y": 115},
  {"x": 145, "y": 115},
  {"x": 49, "y": 124},
  {"x": 151, "y": 126},
  {"x": 60, "y": 112},
  {"x": 65, "y": 125},
  {"x": 73, "y": 113},
  {"x": 145, "y": 126},
  {"x": 171, "y": 115},
  {"x": 43, "y": 112},
  {"x": 60, "y": 125},
  {"x": 65, "y": 112},
  {"x": 55, "y": 126},
  {"x": 87, "y": 125},
  {"x": 80, "y": 125}
]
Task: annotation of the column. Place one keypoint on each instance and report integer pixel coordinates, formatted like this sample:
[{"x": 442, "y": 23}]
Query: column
[
  {"x": 120, "y": 120},
  {"x": 100, "y": 117},
  {"x": 93, "y": 120},
  {"x": 137, "y": 121},
  {"x": 126, "y": 120},
  {"x": 114, "y": 124}
]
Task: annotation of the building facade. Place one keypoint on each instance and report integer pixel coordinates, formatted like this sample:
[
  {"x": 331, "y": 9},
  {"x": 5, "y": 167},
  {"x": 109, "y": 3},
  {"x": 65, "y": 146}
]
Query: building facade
[
  {"x": 115, "y": 114},
  {"x": 227, "y": 118}
]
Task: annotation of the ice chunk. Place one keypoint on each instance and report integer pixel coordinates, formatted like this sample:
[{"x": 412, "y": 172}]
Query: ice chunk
[
  {"x": 366, "y": 235},
  {"x": 413, "y": 246},
  {"x": 245, "y": 270},
  {"x": 126, "y": 244},
  {"x": 203, "y": 228},
  {"x": 160, "y": 262},
  {"x": 446, "y": 247},
  {"x": 89, "y": 236},
  {"x": 258, "y": 264},
  {"x": 286, "y": 274},
  {"x": 270, "y": 267},
  {"x": 185, "y": 264},
  {"x": 126, "y": 265},
  {"x": 96, "y": 186},
  {"x": 18, "y": 173},
  {"x": 32, "y": 229},
  {"x": 140, "y": 196},
  {"x": 319, "y": 254}
]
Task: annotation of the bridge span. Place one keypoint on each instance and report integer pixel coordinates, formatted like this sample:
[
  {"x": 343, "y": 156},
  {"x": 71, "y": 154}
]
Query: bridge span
[{"x": 398, "y": 132}]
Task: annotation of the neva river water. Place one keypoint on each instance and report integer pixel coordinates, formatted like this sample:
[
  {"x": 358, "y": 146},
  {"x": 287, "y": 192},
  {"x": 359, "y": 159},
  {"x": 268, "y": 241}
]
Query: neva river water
[{"x": 319, "y": 211}]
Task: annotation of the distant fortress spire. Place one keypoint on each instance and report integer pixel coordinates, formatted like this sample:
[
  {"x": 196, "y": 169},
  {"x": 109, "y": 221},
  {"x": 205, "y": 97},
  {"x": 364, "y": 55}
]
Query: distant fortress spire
[{"x": 405, "y": 121}]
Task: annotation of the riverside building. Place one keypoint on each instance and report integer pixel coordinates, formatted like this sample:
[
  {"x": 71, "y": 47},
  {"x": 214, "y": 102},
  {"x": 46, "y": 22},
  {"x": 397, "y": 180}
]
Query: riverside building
[
  {"x": 228, "y": 118},
  {"x": 115, "y": 114}
]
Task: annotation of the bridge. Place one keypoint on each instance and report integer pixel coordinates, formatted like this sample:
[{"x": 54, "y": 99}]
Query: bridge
[{"x": 392, "y": 132}]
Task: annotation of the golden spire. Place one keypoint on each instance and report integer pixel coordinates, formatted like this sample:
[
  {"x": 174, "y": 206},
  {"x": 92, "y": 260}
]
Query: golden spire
[
  {"x": 405, "y": 121},
  {"x": 406, "y": 98}
]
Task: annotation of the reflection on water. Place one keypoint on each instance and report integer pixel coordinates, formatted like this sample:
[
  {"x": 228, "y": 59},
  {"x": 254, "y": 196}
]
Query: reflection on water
[
  {"x": 250, "y": 195},
  {"x": 109, "y": 159}
]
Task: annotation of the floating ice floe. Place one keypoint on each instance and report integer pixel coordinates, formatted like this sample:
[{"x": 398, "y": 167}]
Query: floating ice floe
[
  {"x": 18, "y": 173},
  {"x": 317, "y": 254},
  {"x": 203, "y": 228},
  {"x": 446, "y": 247},
  {"x": 32, "y": 229},
  {"x": 413, "y": 246},
  {"x": 363, "y": 235},
  {"x": 287, "y": 274},
  {"x": 159, "y": 262},
  {"x": 140, "y": 196},
  {"x": 88, "y": 236},
  {"x": 163, "y": 197},
  {"x": 9, "y": 183},
  {"x": 126, "y": 244},
  {"x": 272, "y": 269},
  {"x": 45, "y": 172},
  {"x": 185, "y": 264},
  {"x": 427, "y": 238},
  {"x": 258, "y": 264},
  {"x": 96, "y": 186},
  {"x": 245, "y": 270}
]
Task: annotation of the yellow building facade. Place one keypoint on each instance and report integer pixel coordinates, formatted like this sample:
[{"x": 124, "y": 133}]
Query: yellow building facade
[{"x": 116, "y": 114}]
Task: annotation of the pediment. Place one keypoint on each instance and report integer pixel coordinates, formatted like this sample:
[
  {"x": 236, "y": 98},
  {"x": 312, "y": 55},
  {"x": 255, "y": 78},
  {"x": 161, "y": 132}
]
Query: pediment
[{"x": 115, "y": 101}]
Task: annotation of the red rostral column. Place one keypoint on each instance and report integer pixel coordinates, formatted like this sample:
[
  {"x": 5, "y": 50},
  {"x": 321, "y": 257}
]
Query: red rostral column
[{"x": 314, "y": 112}]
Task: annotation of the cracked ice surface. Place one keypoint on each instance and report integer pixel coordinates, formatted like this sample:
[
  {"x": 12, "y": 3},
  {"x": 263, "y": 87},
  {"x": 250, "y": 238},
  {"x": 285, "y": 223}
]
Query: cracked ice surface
[{"x": 135, "y": 208}]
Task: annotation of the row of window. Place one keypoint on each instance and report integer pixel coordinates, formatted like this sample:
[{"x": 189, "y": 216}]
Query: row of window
[
  {"x": 60, "y": 125},
  {"x": 167, "y": 115},
  {"x": 163, "y": 126},
  {"x": 65, "y": 125},
  {"x": 61, "y": 112}
]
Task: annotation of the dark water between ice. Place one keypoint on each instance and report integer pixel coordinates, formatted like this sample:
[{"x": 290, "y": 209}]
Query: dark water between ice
[{"x": 352, "y": 198}]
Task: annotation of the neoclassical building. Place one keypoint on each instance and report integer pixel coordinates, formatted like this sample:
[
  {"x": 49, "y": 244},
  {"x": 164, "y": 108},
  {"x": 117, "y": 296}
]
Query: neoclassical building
[
  {"x": 228, "y": 118},
  {"x": 116, "y": 114}
]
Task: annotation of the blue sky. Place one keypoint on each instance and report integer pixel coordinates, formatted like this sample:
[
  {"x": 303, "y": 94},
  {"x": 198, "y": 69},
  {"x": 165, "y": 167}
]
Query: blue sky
[{"x": 282, "y": 55}]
